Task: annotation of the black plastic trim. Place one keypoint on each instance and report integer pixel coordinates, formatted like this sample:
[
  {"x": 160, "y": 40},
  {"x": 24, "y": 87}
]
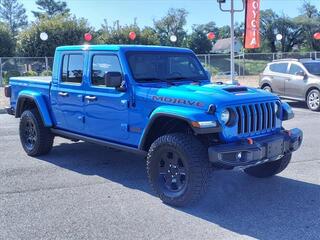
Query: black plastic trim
[
  {"x": 70, "y": 135},
  {"x": 196, "y": 130},
  {"x": 262, "y": 150}
]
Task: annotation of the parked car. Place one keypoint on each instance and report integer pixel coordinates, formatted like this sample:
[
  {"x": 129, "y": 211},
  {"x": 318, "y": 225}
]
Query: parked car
[
  {"x": 157, "y": 102},
  {"x": 226, "y": 74},
  {"x": 294, "y": 79}
]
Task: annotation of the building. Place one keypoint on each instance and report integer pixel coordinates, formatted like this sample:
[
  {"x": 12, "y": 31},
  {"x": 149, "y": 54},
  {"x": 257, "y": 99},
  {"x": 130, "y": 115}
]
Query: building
[{"x": 224, "y": 46}]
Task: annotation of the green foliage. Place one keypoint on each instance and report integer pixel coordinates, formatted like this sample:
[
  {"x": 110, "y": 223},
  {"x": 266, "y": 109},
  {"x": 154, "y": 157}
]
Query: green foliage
[
  {"x": 62, "y": 30},
  {"x": 46, "y": 73},
  {"x": 252, "y": 67},
  {"x": 14, "y": 14},
  {"x": 6, "y": 42},
  {"x": 212, "y": 70},
  {"x": 9, "y": 74},
  {"x": 198, "y": 40},
  {"x": 172, "y": 24},
  {"x": 30, "y": 73},
  {"x": 51, "y": 8},
  {"x": 295, "y": 31},
  {"x": 54, "y": 18},
  {"x": 118, "y": 34}
]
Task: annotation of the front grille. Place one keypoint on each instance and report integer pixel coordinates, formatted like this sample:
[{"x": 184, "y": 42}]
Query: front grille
[{"x": 256, "y": 118}]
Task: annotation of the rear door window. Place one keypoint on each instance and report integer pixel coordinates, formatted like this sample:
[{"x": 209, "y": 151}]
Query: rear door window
[
  {"x": 279, "y": 67},
  {"x": 72, "y": 68}
]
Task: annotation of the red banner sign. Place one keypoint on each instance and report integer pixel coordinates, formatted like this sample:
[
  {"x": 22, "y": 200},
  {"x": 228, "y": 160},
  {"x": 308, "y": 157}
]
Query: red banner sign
[{"x": 252, "y": 30}]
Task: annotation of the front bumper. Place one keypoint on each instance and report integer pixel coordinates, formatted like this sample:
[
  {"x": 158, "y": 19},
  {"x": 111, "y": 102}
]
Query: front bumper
[{"x": 258, "y": 151}]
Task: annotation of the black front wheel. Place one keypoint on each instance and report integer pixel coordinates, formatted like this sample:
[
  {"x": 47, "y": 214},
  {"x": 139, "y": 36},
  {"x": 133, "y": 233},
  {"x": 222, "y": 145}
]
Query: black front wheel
[
  {"x": 36, "y": 139},
  {"x": 178, "y": 168},
  {"x": 269, "y": 169}
]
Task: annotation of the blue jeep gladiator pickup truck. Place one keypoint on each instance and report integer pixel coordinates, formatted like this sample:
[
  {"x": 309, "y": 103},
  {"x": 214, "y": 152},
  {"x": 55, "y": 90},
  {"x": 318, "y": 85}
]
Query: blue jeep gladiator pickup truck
[{"x": 159, "y": 102}]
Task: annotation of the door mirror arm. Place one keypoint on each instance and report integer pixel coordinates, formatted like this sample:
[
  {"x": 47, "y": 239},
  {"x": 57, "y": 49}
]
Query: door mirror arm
[{"x": 302, "y": 74}]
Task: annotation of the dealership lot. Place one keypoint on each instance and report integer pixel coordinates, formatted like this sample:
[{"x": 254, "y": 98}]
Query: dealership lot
[{"x": 84, "y": 191}]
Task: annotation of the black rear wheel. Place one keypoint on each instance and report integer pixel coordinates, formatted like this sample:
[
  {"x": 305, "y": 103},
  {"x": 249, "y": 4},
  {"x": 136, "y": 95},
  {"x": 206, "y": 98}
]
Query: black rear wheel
[
  {"x": 178, "y": 169},
  {"x": 35, "y": 138}
]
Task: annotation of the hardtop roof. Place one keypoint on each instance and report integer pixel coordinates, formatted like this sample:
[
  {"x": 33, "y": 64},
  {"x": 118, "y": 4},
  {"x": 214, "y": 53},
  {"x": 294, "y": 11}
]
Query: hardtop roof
[{"x": 107, "y": 47}]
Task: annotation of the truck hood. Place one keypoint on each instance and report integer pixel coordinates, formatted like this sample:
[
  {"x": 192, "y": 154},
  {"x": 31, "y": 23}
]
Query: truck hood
[{"x": 201, "y": 96}]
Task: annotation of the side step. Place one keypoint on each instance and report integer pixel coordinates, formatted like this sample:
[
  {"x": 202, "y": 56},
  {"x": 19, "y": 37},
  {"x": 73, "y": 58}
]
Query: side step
[{"x": 70, "y": 135}]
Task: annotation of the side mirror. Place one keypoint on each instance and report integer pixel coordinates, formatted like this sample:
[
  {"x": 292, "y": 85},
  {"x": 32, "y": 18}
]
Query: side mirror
[
  {"x": 301, "y": 73},
  {"x": 113, "y": 79}
]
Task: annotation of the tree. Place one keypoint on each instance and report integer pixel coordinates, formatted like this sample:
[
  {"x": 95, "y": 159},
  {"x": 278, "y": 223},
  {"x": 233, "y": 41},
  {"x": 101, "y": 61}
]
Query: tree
[
  {"x": 13, "y": 14},
  {"x": 268, "y": 25},
  {"x": 6, "y": 42},
  {"x": 291, "y": 31},
  {"x": 309, "y": 20},
  {"x": 309, "y": 11},
  {"x": 225, "y": 31},
  {"x": 198, "y": 40},
  {"x": 51, "y": 8},
  {"x": 149, "y": 36},
  {"x": 118, "y": 34},
  {"x": 61, "y": 30},
  {"x": 172, "y": 24}
]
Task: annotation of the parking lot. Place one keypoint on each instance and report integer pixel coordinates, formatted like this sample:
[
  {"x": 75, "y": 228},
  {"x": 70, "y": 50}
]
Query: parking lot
[{"x": 85, "y": 191}]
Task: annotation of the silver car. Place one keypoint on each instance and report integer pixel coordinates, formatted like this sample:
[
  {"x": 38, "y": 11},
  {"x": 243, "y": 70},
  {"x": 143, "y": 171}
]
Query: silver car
[{"x": 294, "y": 79}]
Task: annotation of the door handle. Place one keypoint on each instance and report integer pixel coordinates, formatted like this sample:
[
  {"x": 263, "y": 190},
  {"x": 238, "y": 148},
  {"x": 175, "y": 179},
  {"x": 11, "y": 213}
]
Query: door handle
[
  {"x": 91, "y": 98},
  {"x": 63, "y": 94}
]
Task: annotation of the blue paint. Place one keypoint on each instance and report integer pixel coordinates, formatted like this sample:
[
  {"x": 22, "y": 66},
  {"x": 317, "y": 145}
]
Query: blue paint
[{"x": 111, "y": 115}]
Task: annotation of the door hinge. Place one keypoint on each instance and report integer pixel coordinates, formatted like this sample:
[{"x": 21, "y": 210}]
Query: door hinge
[
  {"x": 81, "y": 118},
  {"x": 125, "y": 103}
]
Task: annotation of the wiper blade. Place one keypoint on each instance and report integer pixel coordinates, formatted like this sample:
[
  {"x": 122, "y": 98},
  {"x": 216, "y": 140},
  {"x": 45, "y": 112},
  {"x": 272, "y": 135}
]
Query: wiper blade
[
  {"x": 178, "y": 78},
  {"x": 149, "y": 79},
  {"x": 184, "y": 78},
  {"x": 155, "y": 79}
]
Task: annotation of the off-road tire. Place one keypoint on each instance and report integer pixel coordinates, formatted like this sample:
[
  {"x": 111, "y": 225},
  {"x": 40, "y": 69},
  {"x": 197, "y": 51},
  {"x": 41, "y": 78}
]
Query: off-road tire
[
  {"x": 44, "y": 138},
  {"x": 313, "y": 105},
  {"x": 269, "y": 169},
  {"x": 195, "y": 156}
]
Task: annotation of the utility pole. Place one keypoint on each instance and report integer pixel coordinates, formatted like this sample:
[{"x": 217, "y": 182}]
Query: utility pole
[{"x": 232, "y": 11}]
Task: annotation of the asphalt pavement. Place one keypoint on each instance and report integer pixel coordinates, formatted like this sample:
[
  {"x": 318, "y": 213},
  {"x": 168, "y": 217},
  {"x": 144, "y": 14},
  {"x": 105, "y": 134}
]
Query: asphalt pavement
[{"x": 85, "y": 191}]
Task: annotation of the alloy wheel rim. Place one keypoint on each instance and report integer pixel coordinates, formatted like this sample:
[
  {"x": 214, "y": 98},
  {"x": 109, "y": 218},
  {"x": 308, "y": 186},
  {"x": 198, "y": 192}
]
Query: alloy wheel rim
[
  {"x": 267, "y": 89},
  {"x": 172, "y": 172},
  {"x": 314, "y": 101},
  {"x": 30, "y": 135}
]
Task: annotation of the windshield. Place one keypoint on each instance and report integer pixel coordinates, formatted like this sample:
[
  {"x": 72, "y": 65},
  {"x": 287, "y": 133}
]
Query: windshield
[
  {"x": 313, "y": 68},
  {"x": 165, "y": 66}
]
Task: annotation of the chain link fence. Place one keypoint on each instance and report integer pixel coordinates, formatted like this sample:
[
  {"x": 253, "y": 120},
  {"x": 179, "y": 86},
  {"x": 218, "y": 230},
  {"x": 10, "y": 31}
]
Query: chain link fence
[
  {"x": 24, "y": 66},
  {"x": 248, "y": 65}
]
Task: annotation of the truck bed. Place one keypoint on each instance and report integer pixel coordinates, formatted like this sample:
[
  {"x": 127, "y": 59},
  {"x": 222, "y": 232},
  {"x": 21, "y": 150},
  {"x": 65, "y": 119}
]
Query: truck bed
[
  {"x": 32, "y": 84},
  {"x": 46, "y": 79}
]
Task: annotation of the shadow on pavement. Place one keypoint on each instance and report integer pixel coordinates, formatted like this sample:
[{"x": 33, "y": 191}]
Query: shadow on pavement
[
  {"x": 298, "y": 104},
  {"x": 275, "y": 208}
]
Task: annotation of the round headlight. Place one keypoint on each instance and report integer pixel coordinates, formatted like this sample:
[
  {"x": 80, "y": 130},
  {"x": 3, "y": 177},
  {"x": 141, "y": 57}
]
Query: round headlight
[{"x": 225, "y": 116}]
